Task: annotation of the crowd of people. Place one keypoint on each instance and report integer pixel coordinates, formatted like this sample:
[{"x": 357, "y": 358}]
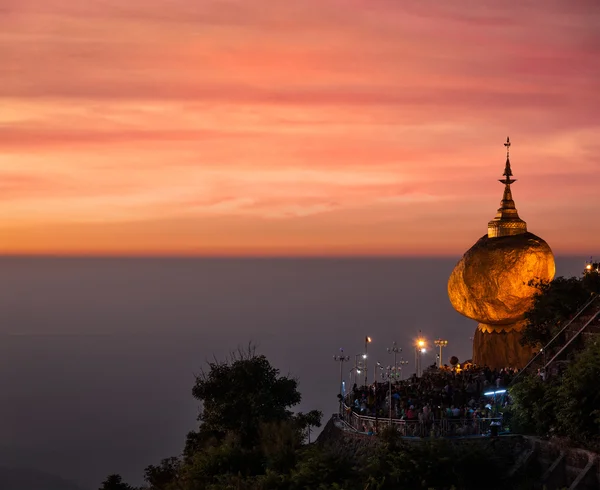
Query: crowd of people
[{"x": 449, "y": 392}]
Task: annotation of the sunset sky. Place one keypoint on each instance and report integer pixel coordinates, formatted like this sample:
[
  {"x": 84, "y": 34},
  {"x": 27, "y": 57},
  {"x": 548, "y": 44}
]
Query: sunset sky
[{"x": 295, "y": 126}]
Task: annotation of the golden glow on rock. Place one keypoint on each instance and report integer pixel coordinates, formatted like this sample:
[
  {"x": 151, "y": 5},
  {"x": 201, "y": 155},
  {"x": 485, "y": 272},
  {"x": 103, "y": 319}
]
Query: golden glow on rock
[{"x": 490, "y": 283}]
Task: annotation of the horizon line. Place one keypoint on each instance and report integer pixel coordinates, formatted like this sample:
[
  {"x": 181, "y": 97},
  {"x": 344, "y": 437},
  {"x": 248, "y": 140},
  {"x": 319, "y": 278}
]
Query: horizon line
[{"x": 319, "y": 256}]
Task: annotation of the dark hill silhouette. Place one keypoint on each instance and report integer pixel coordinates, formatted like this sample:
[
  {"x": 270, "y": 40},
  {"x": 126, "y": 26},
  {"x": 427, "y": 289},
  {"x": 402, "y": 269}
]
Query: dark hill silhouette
[{"x": 29, "y": 479}]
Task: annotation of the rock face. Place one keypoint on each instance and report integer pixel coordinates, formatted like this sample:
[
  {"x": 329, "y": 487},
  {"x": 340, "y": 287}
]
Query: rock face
[{"x": 490, "y": 283}]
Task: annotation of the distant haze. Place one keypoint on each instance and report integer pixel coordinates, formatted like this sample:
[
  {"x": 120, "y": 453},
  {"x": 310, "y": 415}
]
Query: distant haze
[{"x": 97, "y": 355}]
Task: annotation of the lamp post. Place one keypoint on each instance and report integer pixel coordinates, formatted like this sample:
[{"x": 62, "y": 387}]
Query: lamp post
[
  {"x": 341, "y": 359},
  {"x": 367, "y": 342},
  {"x": 394, "y": 350},
  {"x": 358, "y": 366},
  {"x": 419, "y": 349},
  {"x": 377, "y": 411},
  {"x": 441, "y": 344},
  {"x": 391, "y": 372},
  {"x": 402, "y": 362}
]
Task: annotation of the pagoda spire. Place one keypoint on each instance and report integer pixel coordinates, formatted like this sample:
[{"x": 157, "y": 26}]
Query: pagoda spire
[
  {"x": 507, "y": 221},
  {"x": 507, "y": 170}
]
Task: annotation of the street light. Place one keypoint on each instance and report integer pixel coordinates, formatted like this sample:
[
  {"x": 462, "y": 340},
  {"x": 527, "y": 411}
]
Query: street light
[
  {"x": 394, "y": 350},
  {"x": 390, "y": 373},
  {"x": 441, "y": 344},
  {"x": 419, "y": 349},
  {"x": 341, "y": 359},
  {"x": 376, "y": 411},
  {"x": 358, "y": 366},
  {"x": 367, "y": 342},
  {"x": 402, "y": 362}
]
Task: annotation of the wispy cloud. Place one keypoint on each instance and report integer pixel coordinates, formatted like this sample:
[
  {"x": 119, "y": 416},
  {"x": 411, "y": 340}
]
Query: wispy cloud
[{"x": 318, "y": 114}]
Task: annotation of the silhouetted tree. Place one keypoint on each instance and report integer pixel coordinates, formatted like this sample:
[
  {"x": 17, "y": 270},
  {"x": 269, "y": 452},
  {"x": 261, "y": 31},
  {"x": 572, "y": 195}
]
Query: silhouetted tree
[
  {"x": 241, "y": 393},
  {"x": 115, "y": 482},
  {"x": 165, "y": 475},
  {"x": 591, "y": 278},
  {"x": 556, "y": 302},
  {"x": 578, "y": 397}
]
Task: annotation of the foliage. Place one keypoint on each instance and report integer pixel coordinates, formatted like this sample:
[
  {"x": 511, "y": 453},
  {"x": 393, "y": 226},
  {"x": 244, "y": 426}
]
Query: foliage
[
  {"x": 591, "y": 279},
  {"x": 115, "y": 482},
  {"x": 567, "y": 406},
  {"x": 436, "y": 464},
  {"x": 240, "y": 394},
  {"x": 160, "y": 477},
  {"x": 322, "y": 468},
  {"x": 555, "y": 302},
  {"x": 533, "y": 409},
  {"x": 578, "y": 400}
]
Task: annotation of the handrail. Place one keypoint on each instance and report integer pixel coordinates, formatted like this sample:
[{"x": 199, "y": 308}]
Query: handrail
[
  {"x": 572, "y": 338},
  {"x": 567, "y": 325},
  {"x": 443, "y": 427}
]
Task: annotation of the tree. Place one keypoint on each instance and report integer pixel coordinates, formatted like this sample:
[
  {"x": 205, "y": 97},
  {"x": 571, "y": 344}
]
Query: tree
[
  {"x": 566, "y": 406},
  {"x": 115, "y": 482},
  {"x": 556, "y": 302},
  {"x": 164, "y": 476},
  {"x": 591, "y": 278},
  {"x": 578, "y": 397},
  {"x": 534, "y": 405},
  {"x": 241, "y": 393}
]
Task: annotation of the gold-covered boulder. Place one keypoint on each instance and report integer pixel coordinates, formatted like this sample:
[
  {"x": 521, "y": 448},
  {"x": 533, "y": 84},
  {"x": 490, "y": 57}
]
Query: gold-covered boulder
[{"x": 490, "y": 284}]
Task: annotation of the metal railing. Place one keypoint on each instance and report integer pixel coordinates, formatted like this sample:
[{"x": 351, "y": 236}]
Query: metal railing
[
  {"x": 572, "y": 339},
  {"x": 444, "y": 427},
  {"x": 540, "y": 356}
]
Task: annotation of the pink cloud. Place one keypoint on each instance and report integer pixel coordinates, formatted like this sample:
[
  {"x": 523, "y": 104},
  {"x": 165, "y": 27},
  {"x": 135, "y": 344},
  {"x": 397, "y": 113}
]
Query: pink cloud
[{"x": 337, "y": 113}]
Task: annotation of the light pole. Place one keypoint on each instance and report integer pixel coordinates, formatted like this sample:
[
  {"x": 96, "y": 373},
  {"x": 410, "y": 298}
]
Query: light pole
[
  {"x": 402, "y": 362},
  {"x": 394, "y": 350},
  {"x": 419, "y": 349},
  {"x": 356, "y": 370},
  {"x": 377, "y": 411},
  {"x": 441, "y": 344},
  {"x": 391, "y": 372},
  {"x": 367, "y": 342},
  {"x": 341, "y": 359}
]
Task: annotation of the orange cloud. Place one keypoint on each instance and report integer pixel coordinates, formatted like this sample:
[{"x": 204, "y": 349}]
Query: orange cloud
[{"x": 293, "y": 127}]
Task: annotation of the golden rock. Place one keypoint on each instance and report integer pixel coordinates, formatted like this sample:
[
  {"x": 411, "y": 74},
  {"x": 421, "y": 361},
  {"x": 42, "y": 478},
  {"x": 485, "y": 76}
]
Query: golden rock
[{"x": 490, "y": 283}]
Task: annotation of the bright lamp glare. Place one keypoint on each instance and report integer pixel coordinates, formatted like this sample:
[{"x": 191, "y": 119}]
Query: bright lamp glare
[
  {"x": 364, "y": 356},
  {"x": 423, "y": 350},
  {"x": 490, "y": 393}
]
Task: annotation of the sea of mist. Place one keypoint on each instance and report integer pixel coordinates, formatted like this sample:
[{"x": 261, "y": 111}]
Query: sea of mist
[{"x": 98, "y": 355}]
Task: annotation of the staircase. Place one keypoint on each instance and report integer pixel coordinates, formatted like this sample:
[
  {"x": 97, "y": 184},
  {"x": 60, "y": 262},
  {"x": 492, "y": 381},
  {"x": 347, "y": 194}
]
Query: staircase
[
  {"x": 586, "y": 321},
  {"x": 589, "y": 324}
]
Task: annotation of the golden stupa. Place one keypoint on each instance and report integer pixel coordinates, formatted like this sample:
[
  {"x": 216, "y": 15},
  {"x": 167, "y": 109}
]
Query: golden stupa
[{"x": 491, "y": 283}]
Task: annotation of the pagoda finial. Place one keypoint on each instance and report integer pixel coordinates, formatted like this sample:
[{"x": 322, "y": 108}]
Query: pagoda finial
[{"x": 507, "y": 170}]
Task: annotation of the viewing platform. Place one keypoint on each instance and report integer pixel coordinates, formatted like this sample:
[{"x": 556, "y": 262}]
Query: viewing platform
[{"x": 444, "y": 427}]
